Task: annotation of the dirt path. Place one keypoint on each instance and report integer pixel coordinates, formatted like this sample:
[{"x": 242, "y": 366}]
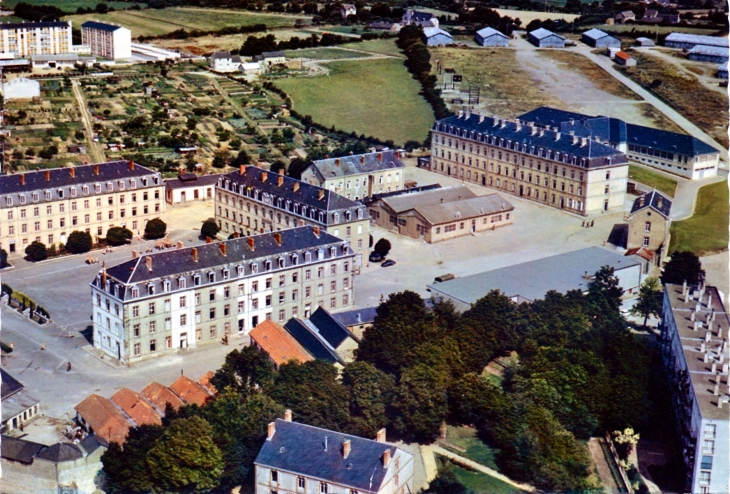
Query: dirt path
[
  {"x": 604, "y": 471},
  {"x": 95, "y": 152}
]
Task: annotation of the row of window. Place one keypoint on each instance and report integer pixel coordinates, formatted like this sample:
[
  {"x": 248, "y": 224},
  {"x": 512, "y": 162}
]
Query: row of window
[
  {"x": 75, "y": 221},
  {"x": 86, "y": 205},
  {"x": 60, "y": 193}
]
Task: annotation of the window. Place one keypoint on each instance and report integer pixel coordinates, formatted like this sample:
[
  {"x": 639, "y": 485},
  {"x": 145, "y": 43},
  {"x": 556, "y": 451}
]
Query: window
[
  {"x": 282, "y": 314},
  {"x": 647, "y": 226},
  {"x": 333, "y": 303},
  {"x": 211, "y": 313},
  {"x": 151, "y": 308},
  {"x": 183, "y": 301},
  {"x": 211, "y": 295},
  {"x": 274, "y": 476},
  {"x": 135, "y": 311},
  {"x": 709, "y": 430},
  {"x": 323, "y": 487},
  {"x": 705, "y": 478},
  {"x": 708, "y": 447},
  {"x": 646, "y": 241},
  {"x": 136, "y": 330},
  {"x": 168, "y": 324},
  {"x": 153, "y": 346},
  {"x": 168, "y": 305}
]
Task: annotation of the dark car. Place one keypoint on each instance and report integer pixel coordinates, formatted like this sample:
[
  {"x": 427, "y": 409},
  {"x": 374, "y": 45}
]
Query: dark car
[
  {"x": 375, "y": 257},
  {"x": 388, "y": 263}
]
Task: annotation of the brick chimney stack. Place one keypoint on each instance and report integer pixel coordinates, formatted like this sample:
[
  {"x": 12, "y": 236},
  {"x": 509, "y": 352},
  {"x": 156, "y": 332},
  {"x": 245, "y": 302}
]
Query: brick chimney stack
[
  {"x": 337, "y": 161},
  {"x": 96, "y": 170},
  {"x": 242, "y": 169},
  {"x": 208, "y": 240},
  {"x": 223, "y": 248},
  {"x": 194, "y": 251},
  {"x": 316, "y": 231},
  {"x": 148, "y": 262},
  {"x": 295, "y": 188},
  {"x": 362, "y": 159},
  {"x": 287, "y": 415},
  {"x": 346, "y": 447},
  {"x": 281, "y": 172},
  {"x": 320, "y": 194},
  {"x": 22, "y": 179},
  {"x": 380, "y": 436},
  {"x": 264, "y": 176},
  {"x": 270, "y": 431},
  {"x": 280, "y": 180},
  {"x": 277, "y": 239},
  {"x": 386, "y": 458},
  {"x": 251, "y": 244},
  {"x": 48, "y": 175},
  {"x": 380, "y": 156},
  {"x": 131, "y": 165}
]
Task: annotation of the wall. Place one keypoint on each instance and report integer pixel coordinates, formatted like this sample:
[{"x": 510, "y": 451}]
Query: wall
[
  {"x": 637, "y": 229},
  {"x": 175, "y": 196},
  {"x": 46, "y": 477}
]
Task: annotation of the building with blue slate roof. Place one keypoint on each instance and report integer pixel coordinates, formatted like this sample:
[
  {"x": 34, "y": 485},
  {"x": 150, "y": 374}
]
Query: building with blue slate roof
[
  {"x": 570, "y": 172},
  {"x": 107, "y": 40},
  {"x": 308, "y": 460},
  {"x": 680, "y": 154}
]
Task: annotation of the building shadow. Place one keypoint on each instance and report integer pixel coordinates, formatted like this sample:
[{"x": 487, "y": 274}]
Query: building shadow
[
  {"x": 88, "y": 333},
  {"x": 619, "y": 235}
]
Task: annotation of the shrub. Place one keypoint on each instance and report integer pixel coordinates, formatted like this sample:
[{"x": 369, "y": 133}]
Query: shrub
[
  {"x": 209, "y": 229},
  {"x": 118, "y": 235},
  {"x": 382, "y": 247},
  {"x": 5, "y": 288},
  {"x": 40, "y": 310},
  {"x": 36, "y": 251},
  {"x": 155, "y": 228},
  {"x": 3, "y": 258},
  {"x": 78, "y": 242}
]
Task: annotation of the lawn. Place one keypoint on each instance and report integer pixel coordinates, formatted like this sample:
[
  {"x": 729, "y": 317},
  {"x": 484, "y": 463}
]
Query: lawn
[
  {"x": 155, "y": 22},
  {"x": 653, "y": 179},
  {"x": 707, "y": 230},
  {"x": 384, "y": 46},
  {"x": 324, "y": 54},
  {"x": 476, "y": 449},
  {"x": 72, "y": 5},
  {"x": 375, "y": 97},
  {"x": 477, "y": 482}
]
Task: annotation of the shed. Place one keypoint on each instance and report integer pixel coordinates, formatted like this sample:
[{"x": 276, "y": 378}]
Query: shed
[
  {"x": 22, "y": 88},
  {"x": 436, "y": 37},
  {"x": 599, "y": 39},
  {"x": 645, "y": 42},
  {"x": 623, "y": 58},
  {"x": 491, "y": 37},
  {"x": 704, "y": 53},
  {"x": 626, "y": 15},
  {"x": 542, "y": 38}
]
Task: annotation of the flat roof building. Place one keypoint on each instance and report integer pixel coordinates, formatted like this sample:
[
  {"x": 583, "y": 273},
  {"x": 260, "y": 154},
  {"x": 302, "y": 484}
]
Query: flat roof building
[
  {"x": 23, "y": 39},
  {"x": 107, "y": 40}
]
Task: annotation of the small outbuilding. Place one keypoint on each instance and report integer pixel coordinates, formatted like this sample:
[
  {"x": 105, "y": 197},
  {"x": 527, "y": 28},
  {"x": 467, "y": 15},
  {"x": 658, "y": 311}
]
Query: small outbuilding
[
  {"x": 437, "y": 37},
  {"x": 645, "y": 42},
  {"x": 22, "y": 88},
  {"x": 491, "y": 37},
  {"x": 623, "y": 58},
  {"x": 625, "y": 16},
  {"x": 542, "y": 38},
  {"x": 347, "y": 10},
  {"x": 599, "y": 39}
]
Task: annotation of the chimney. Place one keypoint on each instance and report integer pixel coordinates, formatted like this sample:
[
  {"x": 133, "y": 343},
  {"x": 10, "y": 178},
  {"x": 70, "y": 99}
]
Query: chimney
[
  {"x": 223, "y": 248},
  {"x": 542, "y": 132},
  {"x": 264, "y": 176},
  {"x": 641, "y": 201},
  {"x": 48, "y": 175},
  {"x": 719, "y": 402},
  {"x": 73, "y": 172},
  {"x": 96, "y": 170},
  {"x": 346, "y": 446},
  {"x": 22, "y": 179},
  {"x": 709, "y": 300},
  {"x": 359, "y": 318},
  {"x": 281, "y": 171},
  {"x": 386, "y": 458},
  {"x": 686, "y": 297},
  {"x": 270, "y": 430},
  {"x": 337, "y": 161},
  {"x": 703, "y": 347},
  {"x": 242, "y": 169},
  {"x": 380, "y": 436},
  {"x": 287, "y": 415},
  {"x": 518, "y": 127},
  {"x": 716, "y": 391},
  {"x": 326, "y": 442},
  {"x": 557, "y": 136},
  {"x": 103, "y": 276},
  {"x": 380, "y": 156},
  {"x": 708, "y": 336},
  {"x": 684, "y": 287},
  {"x": 659, "y": 202},
  {"x": 208, "y": 240},
  {"x": 236, "y": 235},
  {"x": 251, "y": 243},
  {"x": 148, "y": 261},
  {"x": 315, "y": 229},
  {"x": 194, "y": 251},
  {"x": 131, "y": 165},
  {"x": 692, "y": 315},
  {"x": 277, "y": 239},
  {"x": 134, "y": 254},
  {"x": 180, "y": 245},
  {"x": 296, "y": 187},
  {"x": 362, "y": 159},
  {"x": 320, "y": 194}
]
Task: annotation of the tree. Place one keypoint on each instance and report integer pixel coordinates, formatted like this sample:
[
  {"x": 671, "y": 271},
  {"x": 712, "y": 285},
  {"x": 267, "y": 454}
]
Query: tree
[
  {"x": 209, "y": 229},
  {"x": 626, "y": 440},
  {"x": 36, "y": 251},
  {"x": 185, "y": 458},
  {"x": 242, "y": 158},
  {"x": 382, "y": 247},
  {"x": 3, "y": 258},
  {"x": 446, "y": 483},
  {"x": 155, "y": 228},
  {"x": 245, "y": 371},
  {"x": 78, "y": 242},
  {"x": 297, "y": 166},
  {"x": 605, "y": 284},
  {"x": 126, "y": 470},
  {"x": 118, "y": 235},
  {"x": 420, "y": 406},
  {"x": 649, "y": 302},
  {"x": 684, "y": 266},
  {"x": 220, "y": 158},
  {"x": 370, "y": 391}
]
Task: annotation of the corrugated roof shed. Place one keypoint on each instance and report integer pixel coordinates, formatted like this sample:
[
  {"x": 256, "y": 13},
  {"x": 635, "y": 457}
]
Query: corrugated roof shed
[
  {"x": 488, "y": 31},
  {"x": 716, "y": 51},
  {"x": 543, "y": 33},
  {"x": 595, "y": 34},
  {"x": 697, "y": 39},
  {"x": 430, "y": 32}
]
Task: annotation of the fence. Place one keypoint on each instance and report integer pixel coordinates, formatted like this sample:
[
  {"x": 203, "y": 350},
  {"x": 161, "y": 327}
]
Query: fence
[{"x": 617, "y": 461}]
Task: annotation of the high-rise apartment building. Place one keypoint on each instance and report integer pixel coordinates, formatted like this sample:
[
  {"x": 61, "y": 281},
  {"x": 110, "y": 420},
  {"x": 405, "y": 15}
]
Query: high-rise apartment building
[{"x": 23, "y": 39}]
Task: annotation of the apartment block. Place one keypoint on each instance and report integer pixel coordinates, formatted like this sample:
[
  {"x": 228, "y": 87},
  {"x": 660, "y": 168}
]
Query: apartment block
[
  {"x": 23, "y": 39},
  {"x": 47, "y": 205},
  {"x": 562, "y": 170},
  {"x": 158, "y": 304},
  {"x": 107, "y": 40},
  {"x": 694, "y": 329},
  {"x": 253, "y": 200}
]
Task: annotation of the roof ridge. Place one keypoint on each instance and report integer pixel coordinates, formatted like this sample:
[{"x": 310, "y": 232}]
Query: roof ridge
[{"x": 360, "y": 438}]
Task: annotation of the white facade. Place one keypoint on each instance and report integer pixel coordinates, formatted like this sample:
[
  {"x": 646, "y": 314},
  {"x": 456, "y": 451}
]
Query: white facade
[
  {"x": 107, "y": 40},
  {"x": 35, "y": 38},
  {"x": 153, "y": 53},
  {"x": 22, "y": 88},
  {"x": 224, "y": 62}
]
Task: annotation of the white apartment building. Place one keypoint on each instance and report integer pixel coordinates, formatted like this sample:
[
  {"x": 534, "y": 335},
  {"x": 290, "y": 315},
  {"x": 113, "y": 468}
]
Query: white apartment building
[
  {"x": 359, "y": 176},
  {"x": 302, "y": 459},
  {"x": 47, "y": 205},
  {"x": 163, "y": 302},
  {"x": 107, "y": 40},
  {"x": 694, "y": 331},
  {"x": 23, "y": 39}
]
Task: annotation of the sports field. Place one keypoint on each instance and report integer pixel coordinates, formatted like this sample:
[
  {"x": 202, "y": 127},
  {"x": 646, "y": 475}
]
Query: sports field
[
  {"x": 153, "y": 22},
  {"x": 71, "y": 5},
  {"x": 373, "y": 97}
]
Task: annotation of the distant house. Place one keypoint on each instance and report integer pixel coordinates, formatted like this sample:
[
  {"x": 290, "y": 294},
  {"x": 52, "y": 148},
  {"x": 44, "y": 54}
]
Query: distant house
[
  {"x": 385, "y": 26},
  {"x": 250, "y": 68},
  {"x": 223, "y": 61},
  {"x": 357, "y": 320},
  {"x": 623, "y": 58},
  {"x": 276, "y": 342},
  {"x": 18, "y": 407},
  {"x": 347, "y": 10},
  {"x": 542, "y": 38},
  {"x": 22, "y": 88},
  {"x": 645, "y": 42},
  {"x": 423, "y": 19},
  {"x": 625, "y": 16},
  {"x": 76, "y": 149},
  {"x": 491, "y": 37},
  {"x": 651, "y": 16},
  {"x": 437, "y": 37},
  {"x": 190, "y": 187},
  {"x": 270, "y": 58},
  {"x": 713, "y": 54},
  {"x": 599, "y": 39}
]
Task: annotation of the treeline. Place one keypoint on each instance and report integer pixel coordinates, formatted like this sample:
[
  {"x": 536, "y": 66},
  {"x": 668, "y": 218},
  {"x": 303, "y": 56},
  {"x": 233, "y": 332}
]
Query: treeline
[
  {"x": 183, "y": 34},
  {"x": 483, "y": 16},
  {"x": 37, "y": 13},
  {"x": 255, "y": 45},
  {"x": 412, "y": 43}
]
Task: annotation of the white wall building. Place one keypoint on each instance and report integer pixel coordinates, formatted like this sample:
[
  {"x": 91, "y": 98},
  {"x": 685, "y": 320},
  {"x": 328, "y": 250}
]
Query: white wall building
[
  {"x": 223, "y": 61},
  {"x": 21, "y": 88},
  {"x": 24, "y": 39},
  {"x": 107, "y": 40}
]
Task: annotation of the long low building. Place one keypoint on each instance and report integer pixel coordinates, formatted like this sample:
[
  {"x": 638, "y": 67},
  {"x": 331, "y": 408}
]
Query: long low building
[
  {"x": 532, "y": 280},
  {"x": 689, "y": 41},
  {"x": 190, "y": 187},
  {"x": 714, "y": 54}
]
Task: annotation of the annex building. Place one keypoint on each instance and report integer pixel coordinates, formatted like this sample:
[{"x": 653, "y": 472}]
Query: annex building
[
  {"x": 47, "y": 205},
  {"x": 359, "y": 176},
  {"x": 23, "y": 39},
  {"x": 649, "y": 225},
  {"x": 254, "y": 200},
  {"x": 310, "y": 460},
  {"x": 158, "y": 304},
  {"x": 559, "y": 169},
  {"x": 694, "y": 330},
  {"x": 107, "y": 40},
  {"x": 676, "y": 153}
]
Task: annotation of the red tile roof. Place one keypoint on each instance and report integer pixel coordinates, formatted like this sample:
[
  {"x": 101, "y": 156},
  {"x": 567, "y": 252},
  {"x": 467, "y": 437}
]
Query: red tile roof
[
  {"x": 641, "y": 252},
  {"x": 160, "y": 395},
  {"x": 134, "y": 405},
  {"x": 105, "y": 419},
  {"x": 278, "y": 344},
  {"x": 622, "y": 55},
  {"x": 205, "y": 381},
  {"x": 190, "y": 391}
]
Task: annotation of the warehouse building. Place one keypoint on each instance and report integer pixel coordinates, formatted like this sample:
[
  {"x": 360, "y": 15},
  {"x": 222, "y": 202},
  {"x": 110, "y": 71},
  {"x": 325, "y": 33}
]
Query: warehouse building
[
  {"x": 599, "y": 39},
  {"x": 689, "y": 41},
  {"x": 542, "y": 38},
  {"x": 713, "y": 54},
  {"x": 436, "y": 36},
  {"x": 21, "y": 88},
  {"x": 491, "y": 38}
]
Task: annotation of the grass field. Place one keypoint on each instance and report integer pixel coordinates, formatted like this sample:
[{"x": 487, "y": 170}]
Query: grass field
[
  {"x": 477, "y": 482},
  {"x": 476, "y": 449},
  {"x": 383, "y": 46},
  {"x": 627, "y": 28},
  {"x": 324, "y": 54},
  {"x": 155, "y": 22},
  {"x": 208, "y": 44},
  {"x": 652, "y": 179},
  {"x": 707, "y": 230},
  {"x": 72, "y": 5},
  {"x": 375, "y": 97}
]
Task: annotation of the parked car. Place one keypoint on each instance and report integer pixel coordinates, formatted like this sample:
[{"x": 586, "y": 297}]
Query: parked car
[
  {"x": 375, "y": 257},
  {"x": 388, "y": 263}
]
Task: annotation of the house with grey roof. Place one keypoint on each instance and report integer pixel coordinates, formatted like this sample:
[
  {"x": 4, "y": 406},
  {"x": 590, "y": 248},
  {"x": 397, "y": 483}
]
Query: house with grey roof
[
  {"x": 531, "y": 280},
  {"x": 323, "y": 336},
  {"x": 301, "y": 458},
  {"x": 419, "y": 18},
  {"x": 190, "y": 187},
  {"x": 599, "y": 39},
  {"x": 491, "y": 37},
  {"x": 360, "y": 175},
  {"x": 649, "y": 226},
  {"x": 542, "y": 38},
  {"x": 223, "y": 61},
  {"x": 624, "y": 16},
  {"x": 18, "y": 407},
  {"x": 357, "y": 320}
]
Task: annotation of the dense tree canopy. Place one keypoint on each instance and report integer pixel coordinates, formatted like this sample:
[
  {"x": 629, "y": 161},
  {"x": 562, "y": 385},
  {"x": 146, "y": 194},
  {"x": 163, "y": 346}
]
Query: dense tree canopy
[
  {"x": 78, "y": 242},
  {"x": 36, "y": 251},
  {"x": 118, "y": 235},
  {"x": 155, "y": 228},
  {"x": 684, "y": 266}
]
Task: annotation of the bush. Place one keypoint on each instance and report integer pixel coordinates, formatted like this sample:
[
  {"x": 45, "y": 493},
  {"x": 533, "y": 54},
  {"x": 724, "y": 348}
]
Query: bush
[
  {"x": 78, "y": 242},
  {"x": 5, "y": 288},
  {"x": 155, "y": 228},
  {"x": 209, "y": 229},
  {"x": 118, "y": 235},
  {"x": 40, "y": 310},
  {"x": 3, "y": 258},
  {"x": 382, "y": 247},
  {"x": 36, "y": 251}
]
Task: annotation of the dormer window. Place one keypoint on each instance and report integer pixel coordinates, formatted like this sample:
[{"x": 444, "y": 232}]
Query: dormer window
[
  {"x": 132, "y": 183},
  {"x": 211, "y": 277},
  {"x": 166, "y": 286},
  {"x": 239, "y": 270},
  {"x": 196, "y": 280},
  {"x": 73, "y": 192},
  {"x": 8, "y": 201},
  {"x": 97, "y": 187},
  {"x": 307, "y": 257},
  {"x": 144, "y": 182},
  {"x": 60, "y": 193},
  {"x": 321, "y": 217},
  {"x": 359, "y": 214},
  {"x": 116, "y": 291},
  {"x": 226, "y": 274},
  {"x": 108, "y": 285},
  {"x": 294, "y": 259},
  {"x": 35, "y": 197},
  {"x": 281, "y": 262},
  {"x": 156, "y": 180},
  {"x": 121, "y": 185},
  {"x": 336, "y": 217},
  {"x": 150, "y": 289},
  {"x": 333, "y": 251},
  {"x": 267, "y": 265},
  {"x": 320, "y": 254},
  {"x": 135, "y": 292},
  {"x": 348, "y": 215},
  {"x": 181, "y": 282},
  {"x": 254, "y": 268},
  {"x": 109, "y": 187},
  {"x": 48, "y": 195},
  {"x": 85, "y": 190}
]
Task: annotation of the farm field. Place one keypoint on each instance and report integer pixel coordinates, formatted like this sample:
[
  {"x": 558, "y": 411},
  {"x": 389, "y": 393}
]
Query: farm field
[
  {"x": 72, "y": 5},
  {"x": 707, "y": 230},
  {"x": 324, "y": 54},
  {"x": 208, "y": 44},
  {"x": 527, "y": 16},
  {"x": 652, "y": 179},
  {"x": 155, "y": 22},
  {"x": 375, "y": 97}
]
